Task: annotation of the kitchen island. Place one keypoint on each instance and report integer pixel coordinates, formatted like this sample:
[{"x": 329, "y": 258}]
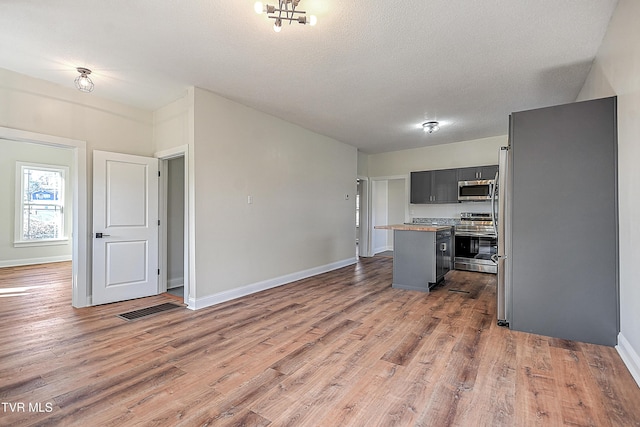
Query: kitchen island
[{"x": 422, "y": 254}]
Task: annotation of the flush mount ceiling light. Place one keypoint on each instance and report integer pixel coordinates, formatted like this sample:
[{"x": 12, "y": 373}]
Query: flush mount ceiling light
[
  {"x": 430, "y": 127},
  {"x": 286, "y": 11},
  {"x": 83, "y": 82}
]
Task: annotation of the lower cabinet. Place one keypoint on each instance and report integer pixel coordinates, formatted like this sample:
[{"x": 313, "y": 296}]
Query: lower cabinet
[
  {"x": 444, "y": 254},
  {"x": 421, "y": 258}
]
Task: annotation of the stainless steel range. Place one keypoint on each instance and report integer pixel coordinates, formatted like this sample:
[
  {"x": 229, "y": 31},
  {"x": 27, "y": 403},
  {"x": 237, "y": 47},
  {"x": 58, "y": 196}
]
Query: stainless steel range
[{"x": 475, "y": 243}]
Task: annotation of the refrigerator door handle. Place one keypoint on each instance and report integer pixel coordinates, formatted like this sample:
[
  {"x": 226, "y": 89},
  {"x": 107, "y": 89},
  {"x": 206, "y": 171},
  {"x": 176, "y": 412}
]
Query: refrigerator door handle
[
  {"x": 494, "y": 193},
  {"x": 502, "y": 289}
]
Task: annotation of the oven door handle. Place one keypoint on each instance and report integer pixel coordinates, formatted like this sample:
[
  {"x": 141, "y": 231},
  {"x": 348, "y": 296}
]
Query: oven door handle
[{"x": 471, "y": 234}]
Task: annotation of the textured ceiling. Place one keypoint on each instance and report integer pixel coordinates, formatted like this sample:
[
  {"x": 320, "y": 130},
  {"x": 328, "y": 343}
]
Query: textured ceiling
[{"x": 368, "y": 74}]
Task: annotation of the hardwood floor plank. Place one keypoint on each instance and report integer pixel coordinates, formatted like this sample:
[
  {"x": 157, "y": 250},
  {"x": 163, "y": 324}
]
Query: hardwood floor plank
[
  {"x": 576, "y": 402},
  {"x": 338, "y": 349},
  {"x": 454, "y": 392},
  {"x": 616, "y": 389},
  {"x": 537, "y": 404},
  {"x": 246, "y": 418},
  {"x": 403, "y": 353},
  {"x": 496, "y": 379},
  {"x": 367, "y": 399}
]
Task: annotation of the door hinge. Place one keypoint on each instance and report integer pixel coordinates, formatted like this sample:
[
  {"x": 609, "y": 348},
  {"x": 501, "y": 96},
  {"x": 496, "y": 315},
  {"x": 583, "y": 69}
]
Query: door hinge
[
  {"x": 158, "y": 272},
  {"x": 158, "y": 173},
  {"x": 158, "y": 222}
]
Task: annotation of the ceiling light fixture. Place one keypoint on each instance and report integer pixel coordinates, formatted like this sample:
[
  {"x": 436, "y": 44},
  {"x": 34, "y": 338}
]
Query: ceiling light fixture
[
  {"x": 83, "y": 82},
  {"x": 430, "y": 127},
  {"x": 286, "y": 11}
]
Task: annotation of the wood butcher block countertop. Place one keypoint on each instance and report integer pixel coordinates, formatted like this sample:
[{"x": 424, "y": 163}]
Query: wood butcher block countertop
[{"x": 413, "y": 227}]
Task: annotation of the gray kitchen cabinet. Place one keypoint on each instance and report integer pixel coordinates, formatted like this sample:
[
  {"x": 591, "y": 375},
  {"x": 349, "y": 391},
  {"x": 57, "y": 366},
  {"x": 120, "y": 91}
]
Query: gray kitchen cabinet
[
  {"x": 445, "y": 186},
  {"x": 477, "y": 172},
  {"x": 421, "y": 259},
  {"x": 437, "y": 186},
  {"x": 444, "y": 253},
  {"x": 421, "y": 187}
]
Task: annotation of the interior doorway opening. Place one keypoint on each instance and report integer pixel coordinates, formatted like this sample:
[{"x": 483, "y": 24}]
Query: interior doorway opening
[
  {"x": 358, "y": 189},
  {"x": 389, "y": 205},
  {"x": 175, "y": 265},
  {"x": 79, "y": 227},
  {"x": 174, "y": 271},
  {"x": 362, "y": 246}
]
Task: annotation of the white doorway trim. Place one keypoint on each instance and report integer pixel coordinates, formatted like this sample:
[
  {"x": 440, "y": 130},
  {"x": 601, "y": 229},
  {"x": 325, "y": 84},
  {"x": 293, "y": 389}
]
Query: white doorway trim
[
  {"x": 189, "y": 246},
  {"x": 364, "y": 239},
  {"x": 79, "y": 234},
  {"x": 375, "y": 197}
]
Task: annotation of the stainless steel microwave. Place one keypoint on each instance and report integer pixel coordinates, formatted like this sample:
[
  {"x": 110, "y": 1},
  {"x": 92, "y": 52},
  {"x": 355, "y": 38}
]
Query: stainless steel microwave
[{"x": 475, "y": 191}]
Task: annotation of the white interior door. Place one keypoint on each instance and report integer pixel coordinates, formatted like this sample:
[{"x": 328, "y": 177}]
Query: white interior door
[{"x": 125, "y": 227}]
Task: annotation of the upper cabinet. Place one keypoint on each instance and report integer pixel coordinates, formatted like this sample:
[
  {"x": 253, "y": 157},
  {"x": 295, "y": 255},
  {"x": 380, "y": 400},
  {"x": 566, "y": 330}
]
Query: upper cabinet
[
  {"x": 478, "y": 172},
  {"x": 445, "y": 186},
  {"x": 421, "y": 187},
  {"x": 439, "y": 186}
]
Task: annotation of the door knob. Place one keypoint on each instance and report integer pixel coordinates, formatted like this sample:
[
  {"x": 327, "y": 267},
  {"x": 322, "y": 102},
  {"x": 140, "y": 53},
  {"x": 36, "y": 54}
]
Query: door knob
[{"x": 100, "y": 235}]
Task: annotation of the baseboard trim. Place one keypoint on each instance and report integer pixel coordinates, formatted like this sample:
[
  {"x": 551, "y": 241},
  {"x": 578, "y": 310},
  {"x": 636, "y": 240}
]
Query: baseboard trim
[
  {"x": 383, "y": 249},
  {"x": 208, "y": 301},
  {"x": 175, "y": 282},
  {"x": 629, "y": 356},
  {"x": 33, "y": 261}
]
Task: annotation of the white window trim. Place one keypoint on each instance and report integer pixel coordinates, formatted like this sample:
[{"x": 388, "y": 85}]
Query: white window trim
[{"x": 19, "y": 208}]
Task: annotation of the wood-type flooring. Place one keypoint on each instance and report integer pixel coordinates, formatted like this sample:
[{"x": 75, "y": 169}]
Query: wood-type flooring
[{"x": 338, "y": 349}]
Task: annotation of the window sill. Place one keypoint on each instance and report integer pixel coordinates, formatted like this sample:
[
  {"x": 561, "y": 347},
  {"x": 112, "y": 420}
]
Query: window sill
[{"x": 47, "y": 242}]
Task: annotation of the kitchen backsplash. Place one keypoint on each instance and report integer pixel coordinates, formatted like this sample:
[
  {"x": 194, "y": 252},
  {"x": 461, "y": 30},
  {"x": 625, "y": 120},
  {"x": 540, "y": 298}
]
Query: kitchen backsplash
[
  {"x": 452, "y": 210},
  {"x": 438, "y": 221}
]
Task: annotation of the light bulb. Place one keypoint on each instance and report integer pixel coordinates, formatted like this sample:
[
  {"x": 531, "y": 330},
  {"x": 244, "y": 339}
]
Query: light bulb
[
  {"x": 83, "y": 82},
  {"x": 430, "y": 127},
  {"x": 258, "y": 7},
  {"x": 311, "y": 19},
  {"x": 277, "y": 27}
]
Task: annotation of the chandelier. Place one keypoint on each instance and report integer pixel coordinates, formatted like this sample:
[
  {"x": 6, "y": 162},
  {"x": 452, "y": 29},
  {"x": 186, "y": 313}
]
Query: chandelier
[{"x": 286, "y": 11}]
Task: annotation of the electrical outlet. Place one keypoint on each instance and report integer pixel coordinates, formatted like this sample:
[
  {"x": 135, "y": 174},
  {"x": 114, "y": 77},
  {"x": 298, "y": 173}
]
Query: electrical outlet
[{"x": 250, "y": 200}]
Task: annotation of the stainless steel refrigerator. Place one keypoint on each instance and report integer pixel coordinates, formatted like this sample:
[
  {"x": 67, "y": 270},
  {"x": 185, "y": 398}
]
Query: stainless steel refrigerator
[{"x": 556, "y": 213}]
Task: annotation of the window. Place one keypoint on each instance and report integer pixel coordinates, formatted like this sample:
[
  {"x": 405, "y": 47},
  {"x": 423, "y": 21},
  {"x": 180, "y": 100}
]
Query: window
[{"x": 39, "y": 204}]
